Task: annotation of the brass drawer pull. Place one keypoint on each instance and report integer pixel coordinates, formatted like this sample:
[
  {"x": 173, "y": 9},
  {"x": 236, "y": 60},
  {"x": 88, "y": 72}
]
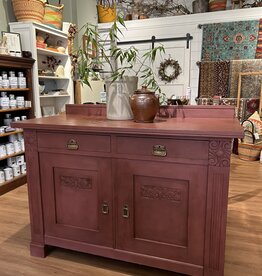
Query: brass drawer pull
[
  {"x": 72, "y": 145},
  {"x": 125, "y": 211},
  {"x": 105, "y": 208},
  {"x": 159, "y": 150}
]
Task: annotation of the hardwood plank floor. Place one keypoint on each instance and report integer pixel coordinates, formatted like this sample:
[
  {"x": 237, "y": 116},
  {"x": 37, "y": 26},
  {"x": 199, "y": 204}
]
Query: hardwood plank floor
[{"x": 243, "y": 245}]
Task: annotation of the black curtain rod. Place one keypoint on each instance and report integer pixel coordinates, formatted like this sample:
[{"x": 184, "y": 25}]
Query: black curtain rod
[{"x": 153, "y": 39}]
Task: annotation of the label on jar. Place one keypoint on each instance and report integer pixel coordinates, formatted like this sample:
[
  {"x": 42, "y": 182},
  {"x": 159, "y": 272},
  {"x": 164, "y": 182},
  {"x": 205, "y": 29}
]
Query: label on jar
[
  {"x": 23, "y": 168},
  {"x": 20, "y": 160},
  {"x": 2, "y": 177},
  {"x": 22, "y": 144},
  {"x": 16, "y": 119},
  {"x": 12, "y": 103},
  {"x": 20, "y": 101},
  {"x": 3, "y": 152},
  {"x": 13, "y": 82},
  {"x": 27, "y": 103},
  {"x": 20, "y": 136},
  {"x": 11, "y": 161},
  {"x": 10, "y": 149},
  {"x": 5, "y": 83},
  {"x": 21, "y": 82},
  {"x": 17, "y": 146},
  {"x": 12, "y": 138},
  {"x": 8, "y": 173},
  {"x": 4, "y": 102},
  {"x": 16, "y": 170}
]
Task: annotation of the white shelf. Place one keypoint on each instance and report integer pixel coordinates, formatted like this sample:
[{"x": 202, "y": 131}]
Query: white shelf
[
  {"x": 28, "y": 32},
  {"x": 52, "y": 78},
  {"x": 47, "y": 52},
  {"x": 54, "y": 96},
  {"x": 40, "y": 27}
]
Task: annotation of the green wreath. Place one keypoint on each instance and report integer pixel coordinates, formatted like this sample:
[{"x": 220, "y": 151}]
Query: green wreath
[{"x": 164, "y": 65}]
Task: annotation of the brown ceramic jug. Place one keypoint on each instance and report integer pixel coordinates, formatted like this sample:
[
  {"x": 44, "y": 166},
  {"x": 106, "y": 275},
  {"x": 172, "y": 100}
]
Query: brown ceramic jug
[{"x": 144, "y": 105}]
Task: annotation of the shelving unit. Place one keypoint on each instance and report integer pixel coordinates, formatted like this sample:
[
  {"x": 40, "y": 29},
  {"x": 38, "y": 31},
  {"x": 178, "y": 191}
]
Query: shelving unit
[
  {"x": 25, "y": 65},
  {"x": 28, "y": 32},
  {"x": 9, "y": 185}
]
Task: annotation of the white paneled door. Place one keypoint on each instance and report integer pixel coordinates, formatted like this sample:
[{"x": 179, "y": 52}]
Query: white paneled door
[{"x": 176, "y": 50}]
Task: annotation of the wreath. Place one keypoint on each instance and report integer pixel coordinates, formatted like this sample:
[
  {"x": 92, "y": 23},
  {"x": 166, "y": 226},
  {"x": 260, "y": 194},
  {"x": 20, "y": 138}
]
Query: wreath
[{"x": 169, "y": 63}]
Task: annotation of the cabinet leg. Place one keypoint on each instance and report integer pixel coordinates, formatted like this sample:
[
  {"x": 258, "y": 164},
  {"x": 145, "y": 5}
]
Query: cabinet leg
[{"x": 38, "y": 250}]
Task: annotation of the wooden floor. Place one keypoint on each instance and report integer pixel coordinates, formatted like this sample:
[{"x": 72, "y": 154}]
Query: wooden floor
[{"x": 243, "y": 246}]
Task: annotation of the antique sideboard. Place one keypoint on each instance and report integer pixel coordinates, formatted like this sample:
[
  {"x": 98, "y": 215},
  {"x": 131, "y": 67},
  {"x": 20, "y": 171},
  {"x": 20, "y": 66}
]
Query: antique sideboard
[{"x": 153, "y": 194}]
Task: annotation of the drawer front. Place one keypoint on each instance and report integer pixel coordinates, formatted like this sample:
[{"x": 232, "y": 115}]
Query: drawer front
[
  {"x": 74, "y": 142},
  {"x": 169, "y": 148}
]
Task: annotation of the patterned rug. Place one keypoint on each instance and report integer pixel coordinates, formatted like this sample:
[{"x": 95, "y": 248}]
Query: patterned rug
[
  {"x": 214, "y": 77},
  {"x": 259, "y": 41},
  {"x": 250, "y": 85},
  {"x": 230, "y": 40}
]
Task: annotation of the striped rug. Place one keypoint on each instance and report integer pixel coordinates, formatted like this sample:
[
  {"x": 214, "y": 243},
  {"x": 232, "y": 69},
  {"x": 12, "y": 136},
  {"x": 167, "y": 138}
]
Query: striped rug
[{"x": 259, "y": 41}]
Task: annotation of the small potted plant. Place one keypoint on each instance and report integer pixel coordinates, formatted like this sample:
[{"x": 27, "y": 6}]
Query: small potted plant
[{"x": 120, "y": 67}]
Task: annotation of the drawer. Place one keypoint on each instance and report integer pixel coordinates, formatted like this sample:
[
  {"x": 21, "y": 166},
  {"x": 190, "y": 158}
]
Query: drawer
[
  {"x": 169, "y": 148},
  {"x": 72, "y": 141}
]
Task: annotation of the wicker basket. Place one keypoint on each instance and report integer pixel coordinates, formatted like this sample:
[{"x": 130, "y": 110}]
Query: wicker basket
[
  {"x": 249, "y": 152},
  {"x": 29, "y": 10}
]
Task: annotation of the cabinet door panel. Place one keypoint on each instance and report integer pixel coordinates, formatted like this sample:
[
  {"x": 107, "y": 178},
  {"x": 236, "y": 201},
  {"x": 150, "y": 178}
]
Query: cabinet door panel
[
  {"x": 75, "y": 190},
  {"x": 161, "y": 209}
]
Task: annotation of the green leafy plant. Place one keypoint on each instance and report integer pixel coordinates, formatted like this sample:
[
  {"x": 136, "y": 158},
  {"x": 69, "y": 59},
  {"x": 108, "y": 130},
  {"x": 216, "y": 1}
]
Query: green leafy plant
[{"x": 94, "y": 55}]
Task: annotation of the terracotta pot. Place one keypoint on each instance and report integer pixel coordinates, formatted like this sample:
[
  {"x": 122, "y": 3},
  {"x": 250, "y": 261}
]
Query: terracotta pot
[{"x": 144, "y": 105}]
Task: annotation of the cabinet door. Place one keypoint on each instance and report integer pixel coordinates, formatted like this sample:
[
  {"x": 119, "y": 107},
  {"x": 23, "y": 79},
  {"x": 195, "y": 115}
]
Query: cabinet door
[
  {"x": 77, "y": 197},
  {"x": 161, "y": 209}
]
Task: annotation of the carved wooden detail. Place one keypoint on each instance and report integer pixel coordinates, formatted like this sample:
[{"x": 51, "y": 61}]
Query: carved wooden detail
[
  {"x": 216, "y": 221},
  {"x": 219, "y": 153},
  {"x": 76, "y": 183},
  {"x": 161, "y": 193},
  {"x": 30, "y": 141}
]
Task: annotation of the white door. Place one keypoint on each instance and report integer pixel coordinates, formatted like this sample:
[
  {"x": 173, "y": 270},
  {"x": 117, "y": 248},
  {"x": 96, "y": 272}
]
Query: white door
[{"x": 176, "y": 50}]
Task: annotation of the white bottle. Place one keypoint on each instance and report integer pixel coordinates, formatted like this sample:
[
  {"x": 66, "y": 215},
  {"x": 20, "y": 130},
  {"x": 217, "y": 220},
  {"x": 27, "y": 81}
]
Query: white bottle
[
  {"x": 188, "y": 93},
  {"x": 103, "y": 95}
]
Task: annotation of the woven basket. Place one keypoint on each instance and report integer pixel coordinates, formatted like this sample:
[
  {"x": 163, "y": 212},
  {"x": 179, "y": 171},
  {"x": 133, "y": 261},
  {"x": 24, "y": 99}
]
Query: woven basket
[
  {"x": 54, "y": 15},
  {"x": 29, "y": 10},
  {"x": 249, "y": 152},
  {"x": 106, "y": 14}
]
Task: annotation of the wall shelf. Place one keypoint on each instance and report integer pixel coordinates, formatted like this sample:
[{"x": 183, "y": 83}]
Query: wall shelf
[
  {"x": 52, "y": 78},
  {"x": 47, "y": 52},
  {"x": 11, "y": 133},
  {"x": 54, "y": 96},
  {"x": 14, "y": 89},
  {"x": 14, "y": 109},
  {"x": 28, "y": 32},
  {"x": 13, "y": 183},
  {"x": 12, "y": 155}
]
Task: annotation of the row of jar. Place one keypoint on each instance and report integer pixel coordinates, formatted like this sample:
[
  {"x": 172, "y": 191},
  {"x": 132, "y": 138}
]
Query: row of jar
[
  {"x": 8, "y": 173},
  {"x": 10, "y": 80},
  {"x": 11, "y": 101},
  {"x": 8, "y": 119},
  {"x": 11, "y": 148}
]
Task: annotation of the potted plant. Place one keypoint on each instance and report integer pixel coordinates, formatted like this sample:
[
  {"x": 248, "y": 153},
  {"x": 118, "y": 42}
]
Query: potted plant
[{"x": 121, "y": 66}]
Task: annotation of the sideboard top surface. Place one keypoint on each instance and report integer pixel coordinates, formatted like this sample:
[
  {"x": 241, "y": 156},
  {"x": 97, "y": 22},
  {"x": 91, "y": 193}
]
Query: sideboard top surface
[{"x": 190, "y": 127}]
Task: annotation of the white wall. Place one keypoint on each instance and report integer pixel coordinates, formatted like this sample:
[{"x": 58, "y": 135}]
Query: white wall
[{"x": 177, "y": 26}]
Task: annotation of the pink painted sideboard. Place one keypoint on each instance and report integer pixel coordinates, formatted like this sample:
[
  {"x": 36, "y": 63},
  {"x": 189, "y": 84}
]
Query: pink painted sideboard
[{"x": 153, "y": 194}]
